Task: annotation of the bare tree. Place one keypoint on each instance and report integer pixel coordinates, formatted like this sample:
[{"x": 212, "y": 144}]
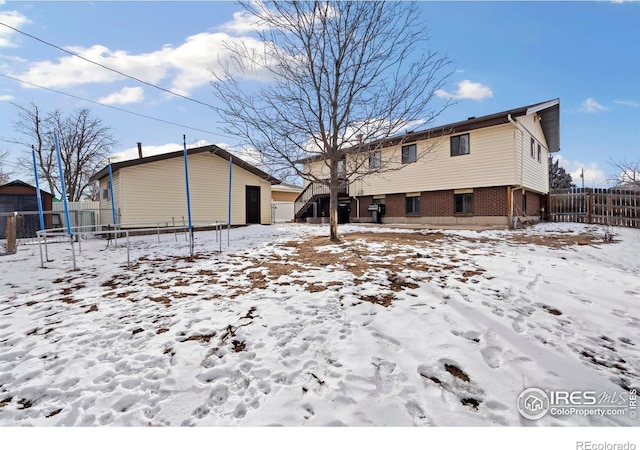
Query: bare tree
[
  {"x": 85, "y": 143},
  {"x": 341, "y": 78},
  {"x": 4, "y": 173},
  {"x": 626, "y": 173}
]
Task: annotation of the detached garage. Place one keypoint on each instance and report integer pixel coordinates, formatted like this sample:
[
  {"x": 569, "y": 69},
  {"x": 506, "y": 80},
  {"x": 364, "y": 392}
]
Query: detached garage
[
  {"x": 18, "y": 196},
  {"x": 152, "y": 189}
]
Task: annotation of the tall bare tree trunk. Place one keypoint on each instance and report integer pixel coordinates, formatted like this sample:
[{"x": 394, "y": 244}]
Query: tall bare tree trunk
[{"x": 333, "y": 209}]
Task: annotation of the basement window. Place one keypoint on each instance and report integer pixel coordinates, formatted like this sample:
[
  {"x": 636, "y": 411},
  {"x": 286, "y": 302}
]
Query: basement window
[
  {"x": 463, "y": 203},
  {"x": 412, "y": 204}
]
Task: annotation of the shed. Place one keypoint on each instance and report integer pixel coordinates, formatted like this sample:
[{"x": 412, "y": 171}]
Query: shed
[
  {"x": 152, "y": 189},
  {"x": 21, "y": 197}
]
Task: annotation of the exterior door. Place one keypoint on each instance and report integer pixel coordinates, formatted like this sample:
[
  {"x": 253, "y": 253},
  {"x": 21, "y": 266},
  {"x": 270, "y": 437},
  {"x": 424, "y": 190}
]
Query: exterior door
[{"x": 252, "y": 202}]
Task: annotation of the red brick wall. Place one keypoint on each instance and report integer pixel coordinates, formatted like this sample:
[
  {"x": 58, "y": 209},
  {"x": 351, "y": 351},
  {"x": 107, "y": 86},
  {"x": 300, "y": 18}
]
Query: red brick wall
[
  {"x": 437, "y": 203},
  {"x": 534, "y": 202},
  {"x": 490, "y": 201},
  {"x": 395, "y": 205},
  {"x": 364, "y": 204}
]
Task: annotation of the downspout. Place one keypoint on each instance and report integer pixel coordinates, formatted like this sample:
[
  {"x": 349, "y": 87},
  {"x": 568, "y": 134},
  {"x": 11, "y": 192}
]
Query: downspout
[{"x": 517, "y": 125}]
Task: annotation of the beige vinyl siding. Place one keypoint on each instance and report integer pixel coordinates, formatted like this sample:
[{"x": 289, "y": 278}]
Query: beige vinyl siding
[
  {"x": 499, "y": 156},
  {"x": 105, "y": 205},
  {"x": 535, "y": 174},
  {"x": 318, "y": 168},
  {"x": 156, "y": 191},
  {"x": 490, "y": 162}
]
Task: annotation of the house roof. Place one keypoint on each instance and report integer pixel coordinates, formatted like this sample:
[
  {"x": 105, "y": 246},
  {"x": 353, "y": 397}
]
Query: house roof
[
  {"x": 214, "y": 149},
  {"x": 548, "y": 111},
  {"x": 286, "y": 187},
  {"x": 23, "y": 184}
]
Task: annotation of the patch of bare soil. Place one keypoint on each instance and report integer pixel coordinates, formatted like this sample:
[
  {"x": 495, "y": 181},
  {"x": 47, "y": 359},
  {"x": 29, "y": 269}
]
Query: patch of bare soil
[
  {"x": 557, "y": 240},
  {"x": 457, "y": 372}
]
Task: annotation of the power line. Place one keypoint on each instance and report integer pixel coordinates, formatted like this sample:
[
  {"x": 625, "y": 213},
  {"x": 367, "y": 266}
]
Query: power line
[
  {"x": 112, "y": 107},
  {"x": 109, "y": 68}
]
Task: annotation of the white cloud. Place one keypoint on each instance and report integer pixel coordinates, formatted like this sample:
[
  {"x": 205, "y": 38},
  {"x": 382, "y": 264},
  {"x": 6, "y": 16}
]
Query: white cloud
[
  {"x": 6, "y": 98},
  {"x": 14, "y": 19},
  {"x": 187, "y": 66},
  {"x": 249, "y": 155},
  {"x": 467, "y": 89},
  {"x": 590, "y": 105},
  {"x": 631, "y": 103},
  {"x": 147, "y": 150},
  {"x": 242, "y": 23},
  {"x": 126, "y": 95},
  {"x": 594, "y": 176}
]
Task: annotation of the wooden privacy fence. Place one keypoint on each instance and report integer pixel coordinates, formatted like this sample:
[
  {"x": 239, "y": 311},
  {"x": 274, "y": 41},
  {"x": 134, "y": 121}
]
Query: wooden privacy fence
[{"x": 615, "y": 206}]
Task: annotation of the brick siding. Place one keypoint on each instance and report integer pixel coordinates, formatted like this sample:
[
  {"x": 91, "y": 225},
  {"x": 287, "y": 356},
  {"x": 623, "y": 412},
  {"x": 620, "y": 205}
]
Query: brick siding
[{"x": 490, "y": 201}]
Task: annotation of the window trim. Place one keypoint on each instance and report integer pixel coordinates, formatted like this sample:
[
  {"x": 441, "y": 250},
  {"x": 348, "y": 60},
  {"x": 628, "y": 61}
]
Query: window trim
[
  {"x": 408, "y": 148},
  {"x": 458, "y": 138}
]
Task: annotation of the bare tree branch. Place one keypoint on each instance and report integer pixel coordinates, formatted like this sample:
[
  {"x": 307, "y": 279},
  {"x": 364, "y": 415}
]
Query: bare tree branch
[
  {"x": 4, "y": 173},
  {"x": 343, "y": 76},
  {"x": 85, "y": 143},
  {"x": 626, "y": 172}
]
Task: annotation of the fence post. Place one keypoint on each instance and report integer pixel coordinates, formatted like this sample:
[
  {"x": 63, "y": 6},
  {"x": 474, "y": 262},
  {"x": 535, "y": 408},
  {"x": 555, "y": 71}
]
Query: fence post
[
  {"x": 590, "y": 205},
  {"x": 11, "y": 234}
]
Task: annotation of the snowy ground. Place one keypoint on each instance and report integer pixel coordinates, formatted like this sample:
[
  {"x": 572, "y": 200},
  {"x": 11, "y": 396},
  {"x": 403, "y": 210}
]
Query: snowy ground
[{"x": 391, "y": 327}]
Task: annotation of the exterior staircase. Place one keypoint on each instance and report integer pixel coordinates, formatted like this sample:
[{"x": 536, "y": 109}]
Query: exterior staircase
[{"x": 314, "y": 191}]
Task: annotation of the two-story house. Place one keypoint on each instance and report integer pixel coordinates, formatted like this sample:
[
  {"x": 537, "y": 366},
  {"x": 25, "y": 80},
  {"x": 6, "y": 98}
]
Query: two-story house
[{"x": 490, "y": 170}]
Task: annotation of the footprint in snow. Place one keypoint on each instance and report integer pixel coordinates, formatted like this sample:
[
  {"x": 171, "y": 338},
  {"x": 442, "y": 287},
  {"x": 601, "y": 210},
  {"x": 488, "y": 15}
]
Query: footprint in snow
[
  {"x": 383, "y": 376},
  {"x": 492, "y": 356},
  {"x": 416, "y": 411}
]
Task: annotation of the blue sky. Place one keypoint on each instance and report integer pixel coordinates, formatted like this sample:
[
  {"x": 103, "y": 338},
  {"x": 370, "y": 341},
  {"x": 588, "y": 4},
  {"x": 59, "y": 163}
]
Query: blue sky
[{"x": 507, "y": 54}]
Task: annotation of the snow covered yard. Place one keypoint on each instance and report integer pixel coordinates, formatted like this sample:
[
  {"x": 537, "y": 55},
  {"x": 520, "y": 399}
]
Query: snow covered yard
[{"x": 391, "y": 327}]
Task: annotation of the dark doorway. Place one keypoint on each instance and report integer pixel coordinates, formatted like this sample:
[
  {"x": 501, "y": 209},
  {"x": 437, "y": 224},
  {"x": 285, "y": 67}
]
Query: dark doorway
[{"x": 252, "y": 201}]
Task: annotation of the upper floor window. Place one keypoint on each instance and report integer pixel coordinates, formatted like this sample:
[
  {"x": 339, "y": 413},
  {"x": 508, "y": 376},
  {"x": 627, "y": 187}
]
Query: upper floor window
[
  {"x": 533, "y": 148},
  {"x": 342, "y": 168},
  {"x": 409, "y": 153},
  {"x": 539, "y": 153},
  {"x": 375, "y": 160},
  {"x": 460, "y": 145}
]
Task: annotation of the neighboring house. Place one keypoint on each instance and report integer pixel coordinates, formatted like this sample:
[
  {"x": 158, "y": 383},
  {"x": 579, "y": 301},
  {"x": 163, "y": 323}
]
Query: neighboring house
[
  {"x": 18, "y": 196},
  {"x": 285, "y": 192},
  {"x": 488, "y": 170},
  {"x": 283, "y": 197},
  {"x": 153, "y": 189}
]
